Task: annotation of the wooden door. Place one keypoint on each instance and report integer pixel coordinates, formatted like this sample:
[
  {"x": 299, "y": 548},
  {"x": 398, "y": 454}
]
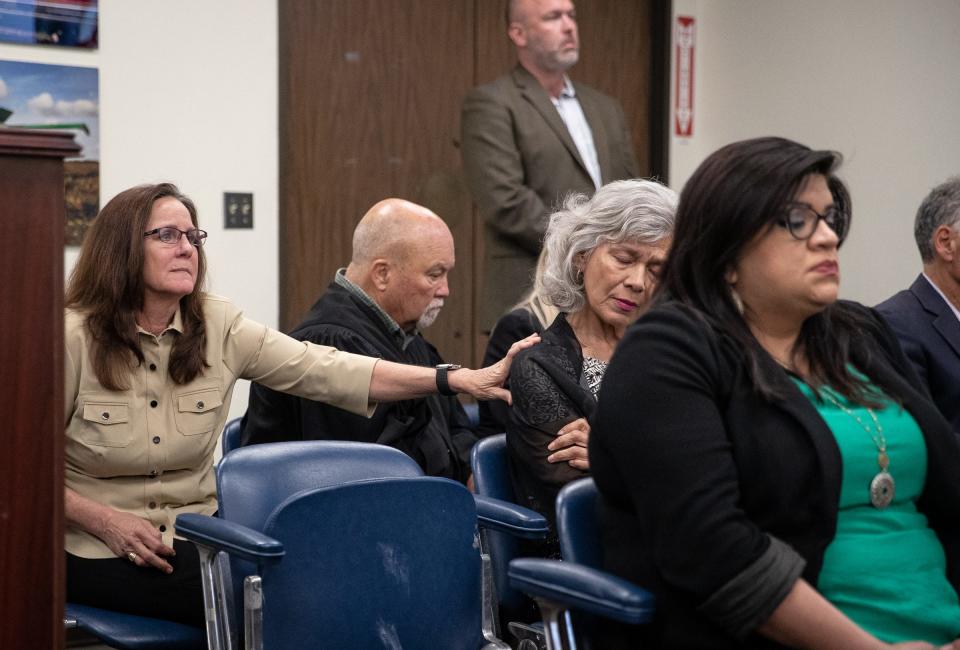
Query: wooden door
[
  {"x": 369, "y": 108},
  {"x": 370, "y": 95}
]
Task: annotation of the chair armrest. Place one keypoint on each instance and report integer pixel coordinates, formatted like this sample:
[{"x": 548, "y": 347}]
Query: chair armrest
[
  {"x": 237, "y": 540},
  {"x": 580, "y": 587},
  {"x": 505, "y": 517}
]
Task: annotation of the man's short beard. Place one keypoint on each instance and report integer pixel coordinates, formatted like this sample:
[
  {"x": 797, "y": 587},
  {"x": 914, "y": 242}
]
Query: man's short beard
[
  {"x": 430, "y": 314},
  {"x": 559, "y": 61},
  {"x": 567, "y": 60}
]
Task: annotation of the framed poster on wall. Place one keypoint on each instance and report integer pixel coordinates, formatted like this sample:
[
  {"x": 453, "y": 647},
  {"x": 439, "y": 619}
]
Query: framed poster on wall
[
  {"x": 72, "y": 23},
  {"x": 40, "y": 96}
]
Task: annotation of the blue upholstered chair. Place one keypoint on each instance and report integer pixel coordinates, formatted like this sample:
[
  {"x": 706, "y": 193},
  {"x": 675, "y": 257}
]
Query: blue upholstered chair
[
  {"x": 342, "y": 544},
  {"x": 473, "y": 413},
  {"x": 578, "y": 583},
  {"x": 577, "y": 525},
  {"x": 230, "y": 439},
  {"x": 491, "y": 477},
  {"x": 129, "y": 632}
]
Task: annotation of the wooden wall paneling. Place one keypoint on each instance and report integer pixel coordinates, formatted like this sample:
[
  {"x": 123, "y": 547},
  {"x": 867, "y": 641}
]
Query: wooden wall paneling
[
  {"x": 31, "y": 355},
  {"x": 494, "y": 55},
  {"x": 369, "y": 108},
  {"x": 370, "y": 96},
  {"x": 615, "y": 57},
  {"x": 661, "y": 22}
]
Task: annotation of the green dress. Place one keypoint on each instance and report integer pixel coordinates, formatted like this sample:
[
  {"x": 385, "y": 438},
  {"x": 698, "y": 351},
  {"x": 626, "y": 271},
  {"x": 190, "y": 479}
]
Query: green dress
[{"x": 885, "y": 569}]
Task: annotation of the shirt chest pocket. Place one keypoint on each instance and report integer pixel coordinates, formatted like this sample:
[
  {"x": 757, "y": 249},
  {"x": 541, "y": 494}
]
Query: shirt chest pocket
[
  {"x": 197, "y": 411},
  {"x": 107, "y": 424}
]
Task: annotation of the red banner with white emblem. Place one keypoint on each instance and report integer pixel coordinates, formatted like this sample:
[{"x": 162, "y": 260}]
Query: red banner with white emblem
[{"x": 685, "y": 40}]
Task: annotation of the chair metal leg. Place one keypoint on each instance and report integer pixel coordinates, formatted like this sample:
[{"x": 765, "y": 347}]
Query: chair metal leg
[
  {"x": 223, "y": 584},
  {"x": 568, "y": 623},
  {"x": 529, "y": 637},
  {"x": 218, "y": 634},
  {"x": 488, "y": 615},
  {"x": 253, "y": 613},
  {"x": 557, "y": 626}
]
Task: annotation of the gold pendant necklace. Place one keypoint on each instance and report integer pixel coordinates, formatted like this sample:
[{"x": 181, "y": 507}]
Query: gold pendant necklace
[{"x": 882, "y": 486}]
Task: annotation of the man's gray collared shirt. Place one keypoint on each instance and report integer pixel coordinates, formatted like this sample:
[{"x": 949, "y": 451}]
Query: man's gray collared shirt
[{"x": 403, "y": 339}]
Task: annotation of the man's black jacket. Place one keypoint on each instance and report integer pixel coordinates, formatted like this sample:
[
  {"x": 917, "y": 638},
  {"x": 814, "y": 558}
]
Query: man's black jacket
[{"x": 434, "y": 431}]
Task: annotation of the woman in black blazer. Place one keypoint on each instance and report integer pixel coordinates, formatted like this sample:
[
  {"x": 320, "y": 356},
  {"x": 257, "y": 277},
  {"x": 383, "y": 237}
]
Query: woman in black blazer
[{"x": 750, "y": 446}]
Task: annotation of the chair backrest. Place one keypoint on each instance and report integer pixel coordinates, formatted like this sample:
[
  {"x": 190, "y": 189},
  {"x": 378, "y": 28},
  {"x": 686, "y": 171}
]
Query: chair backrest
[
  {"x": 491, "y": 477},
  {"x": 579, "y": 532},
  {"x": 230, "y": 439},
  {"x": 379, "y": 563},
  {"x": 491, "y": 474},
  {"x": 252, "y": 480},
  {"x": 472, "y": 410},
  {"x": 577, "y": 525}
]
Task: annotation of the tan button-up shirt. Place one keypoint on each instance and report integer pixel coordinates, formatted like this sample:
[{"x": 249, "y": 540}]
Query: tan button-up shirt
[{"x": 149, "y": 450}]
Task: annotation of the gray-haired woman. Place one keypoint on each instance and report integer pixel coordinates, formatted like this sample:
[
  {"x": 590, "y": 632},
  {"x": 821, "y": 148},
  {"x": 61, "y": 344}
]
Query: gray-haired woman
[{"x": 604, "y": 256}]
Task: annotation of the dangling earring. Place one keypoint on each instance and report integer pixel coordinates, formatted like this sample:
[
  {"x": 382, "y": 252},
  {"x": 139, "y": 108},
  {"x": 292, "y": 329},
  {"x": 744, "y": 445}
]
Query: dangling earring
[
  {"x": 737, "y": 301},
  {"x": 579, "y": 276},
  {"x": 731, "y": 277}
]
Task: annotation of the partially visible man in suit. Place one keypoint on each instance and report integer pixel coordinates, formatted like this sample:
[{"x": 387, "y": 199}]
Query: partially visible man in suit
[
  {"x": 393, "y": 288},
  {"x": 926, "y": 317},
  {"x": 531, "y": 137}
]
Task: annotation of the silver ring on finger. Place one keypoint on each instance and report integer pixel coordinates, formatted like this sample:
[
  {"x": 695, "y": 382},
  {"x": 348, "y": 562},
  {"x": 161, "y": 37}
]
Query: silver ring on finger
[{"x": 132, "y": 557}]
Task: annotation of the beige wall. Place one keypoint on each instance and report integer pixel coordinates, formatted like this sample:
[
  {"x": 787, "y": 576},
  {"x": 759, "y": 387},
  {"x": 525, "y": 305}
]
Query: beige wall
[
  {"x": 876, "y": 80},
  {"x": 188, "y": 93}
]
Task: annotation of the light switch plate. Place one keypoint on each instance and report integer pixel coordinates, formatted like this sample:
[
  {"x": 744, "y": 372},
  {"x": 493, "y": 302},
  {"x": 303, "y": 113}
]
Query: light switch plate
[{"x": 237, "y": 210}]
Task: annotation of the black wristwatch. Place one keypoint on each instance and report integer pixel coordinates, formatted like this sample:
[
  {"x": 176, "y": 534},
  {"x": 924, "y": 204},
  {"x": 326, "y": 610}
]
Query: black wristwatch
[{"x": 442, "y": 384}]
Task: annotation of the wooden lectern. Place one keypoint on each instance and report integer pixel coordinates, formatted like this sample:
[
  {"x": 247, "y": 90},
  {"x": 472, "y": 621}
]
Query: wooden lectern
[{"x": 31, "y": 391}]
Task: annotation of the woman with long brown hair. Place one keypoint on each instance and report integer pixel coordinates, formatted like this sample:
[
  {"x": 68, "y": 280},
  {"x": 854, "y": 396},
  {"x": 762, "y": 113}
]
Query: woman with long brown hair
[{"x": 151, "y": 360}]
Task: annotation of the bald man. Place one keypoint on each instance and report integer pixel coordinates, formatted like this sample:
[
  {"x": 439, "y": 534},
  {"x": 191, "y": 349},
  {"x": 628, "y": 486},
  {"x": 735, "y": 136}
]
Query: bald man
[{"x": 393, "y": 288}]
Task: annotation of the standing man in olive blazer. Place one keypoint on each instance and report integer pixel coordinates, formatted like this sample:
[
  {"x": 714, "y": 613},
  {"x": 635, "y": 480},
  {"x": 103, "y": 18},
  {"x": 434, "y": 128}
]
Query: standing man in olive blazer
[{"x": 530, "y": 138}]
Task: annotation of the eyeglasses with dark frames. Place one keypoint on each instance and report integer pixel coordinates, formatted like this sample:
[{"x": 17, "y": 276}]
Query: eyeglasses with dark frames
[
  {"x": 171, "y": 235},
  {"x": 801, "y": 221}
]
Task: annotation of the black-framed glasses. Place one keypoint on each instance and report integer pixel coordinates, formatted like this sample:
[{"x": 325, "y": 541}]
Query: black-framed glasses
[
  {"x": 171, "y": 235},
  {"x": 801, "y": 221}
]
